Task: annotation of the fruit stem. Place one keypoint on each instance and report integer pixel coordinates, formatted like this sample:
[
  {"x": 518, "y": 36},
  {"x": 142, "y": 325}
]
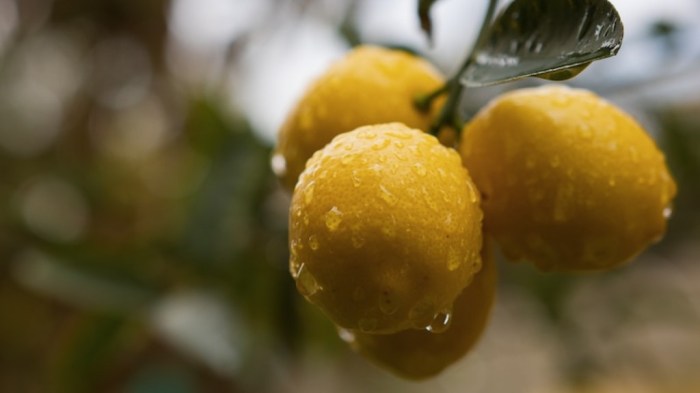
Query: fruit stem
[{"x": 453, "y": 87}]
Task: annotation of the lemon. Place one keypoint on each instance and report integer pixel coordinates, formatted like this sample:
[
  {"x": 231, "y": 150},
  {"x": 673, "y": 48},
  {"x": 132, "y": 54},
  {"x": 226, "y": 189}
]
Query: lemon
[
  {"x": 569, "y": 181},
  {"x": 385, "y": 229},
  {"x": 420, "y": 354},
  {"x": 370, "y": 85}
]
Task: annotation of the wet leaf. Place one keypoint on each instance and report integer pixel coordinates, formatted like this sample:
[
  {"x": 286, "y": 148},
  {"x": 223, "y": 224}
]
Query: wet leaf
[
  {"x": 426, "y": 23},
  {"x": 551, "y": 39}
]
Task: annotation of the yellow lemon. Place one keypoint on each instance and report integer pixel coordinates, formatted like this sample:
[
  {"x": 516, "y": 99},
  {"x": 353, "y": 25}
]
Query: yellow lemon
[
  {"x": 370, "y": 85},
  {"x": 569, "y": 181},
  {"x": 420, "y": 354},
  {"x": 385, "y": 229}
]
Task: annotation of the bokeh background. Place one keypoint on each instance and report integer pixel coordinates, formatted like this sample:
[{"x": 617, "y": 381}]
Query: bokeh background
[{"x": 143, "y": 235}]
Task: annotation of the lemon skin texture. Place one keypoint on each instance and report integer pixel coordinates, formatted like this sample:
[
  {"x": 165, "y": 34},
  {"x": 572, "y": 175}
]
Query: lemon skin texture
[
  {"x": 370, "y": 85},
  {"x": 385, "y": 229},
  {"x": 569, "y": 181},
  {"x": 420, "y": 354}
]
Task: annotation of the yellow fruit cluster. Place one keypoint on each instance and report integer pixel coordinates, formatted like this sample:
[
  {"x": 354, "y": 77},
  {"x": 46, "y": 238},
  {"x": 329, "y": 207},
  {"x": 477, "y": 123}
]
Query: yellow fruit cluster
[{"x": 385, "y": 228}]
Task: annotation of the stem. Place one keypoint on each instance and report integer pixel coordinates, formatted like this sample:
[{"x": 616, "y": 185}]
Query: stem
[{"x": 453, "y": 87}]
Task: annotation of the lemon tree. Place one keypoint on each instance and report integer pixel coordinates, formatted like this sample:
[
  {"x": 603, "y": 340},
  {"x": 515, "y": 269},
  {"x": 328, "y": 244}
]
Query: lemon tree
[
  {"x": 370, "y": 85},
  {"x": 419, "y": 354},
  {"x": 569, "y": 181},
  {"x": 385, "y": 229}
]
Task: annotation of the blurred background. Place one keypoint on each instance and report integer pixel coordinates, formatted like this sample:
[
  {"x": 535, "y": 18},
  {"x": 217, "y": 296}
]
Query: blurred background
[{"x": 143, "y": 240}]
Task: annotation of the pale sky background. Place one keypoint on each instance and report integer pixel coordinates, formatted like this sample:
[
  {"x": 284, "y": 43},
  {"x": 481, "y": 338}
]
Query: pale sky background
[{"x": 278, "y": 64}]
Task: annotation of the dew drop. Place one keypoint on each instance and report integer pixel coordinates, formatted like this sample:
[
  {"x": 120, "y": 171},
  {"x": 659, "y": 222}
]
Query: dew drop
[
  {"x": 356, "y": 180},
  {"x": 473, "y": 195},
  {"x": 346, "y": 159},
  {"x": 387, "y": 196},
  {"x": 389, "y": 231},
  {"x": 366, "y": 134},
  {"x": 453, "y": 260},
  {"x": 279, "y": 165},
  {"x": 368, "y": 325},
  {"x": 306, "y": 282},
  {"x": 294, "y": 265},
  {"x": 309, "y": 193},
  {"x": 348, "y": 146},
  {"x": 357, "y": 241},
  {"x": 313, "y": 242},
  {"x": 346, "y": 335},
  {"x": 380, "y": 145},
  {"x": 333, "y": 219},
  {"x": 668, "y": 212},
  {"x": 400, "y": 135},
  {"x": 419, "y": 169},
  {"x": 441, "y": 322}
]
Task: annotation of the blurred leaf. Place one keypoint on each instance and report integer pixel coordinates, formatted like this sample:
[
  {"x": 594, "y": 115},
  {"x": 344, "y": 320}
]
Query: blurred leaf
[
  {"x": 89, "y": 351},
  {"x": 223, "y": 214},
  {"x": 82, "y": 284},
  {"x": 534, "y": 37},
  {"x": 426, "y": 23}
]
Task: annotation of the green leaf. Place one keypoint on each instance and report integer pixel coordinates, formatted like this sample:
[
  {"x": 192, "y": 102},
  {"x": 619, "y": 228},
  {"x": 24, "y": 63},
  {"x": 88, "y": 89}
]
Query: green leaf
[
  {"x": 426, "y": 23},
  {"x": 551, "y": 39}
]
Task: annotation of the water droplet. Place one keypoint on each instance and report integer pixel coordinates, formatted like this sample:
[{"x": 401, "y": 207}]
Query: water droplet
[
  {"x": 313, "y": 242},
  {"x": 368, "y": 325},
  {"x": 382, "y": 144},
  {"x": 419, "y": 169},
  {"x": 387, "y": 196},
  {"x": 453, "y": 260},
  {"x": 333, "y": 218},
  {"x": 294, "y": 265},
  {"x": 473, "y": 194},
  {"x": 389, "y": 230},
  {"x": 346, "y": 159},
  {"x": 306, "y": 282},
  {"x": 357, "y": 240},
  {"x": 400, "y": 135},
  {"x": 421, "y": 315},
  {"x": 441, "y": 322},
  {"x": 279, "y": 165},
  {"x": 309, "y": 193},
  {"x": 399, "y": 144},
  {"x": 348, "y": 146},
  {"x": 367, "y": 134},
  {"x": 441, "y": 173},
  {"x": 356, "y": 180},
  {"x": 668, "y": 212},
  {"x": 346, "y": 335}
]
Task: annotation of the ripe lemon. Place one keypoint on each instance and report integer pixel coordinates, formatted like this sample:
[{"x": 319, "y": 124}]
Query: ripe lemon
[
  {"x": 370, "y": 85},
  {"x": 420, "y": 354},
  {"x": 568, "y": 181},
  {"x": 385, "y": 229}
]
